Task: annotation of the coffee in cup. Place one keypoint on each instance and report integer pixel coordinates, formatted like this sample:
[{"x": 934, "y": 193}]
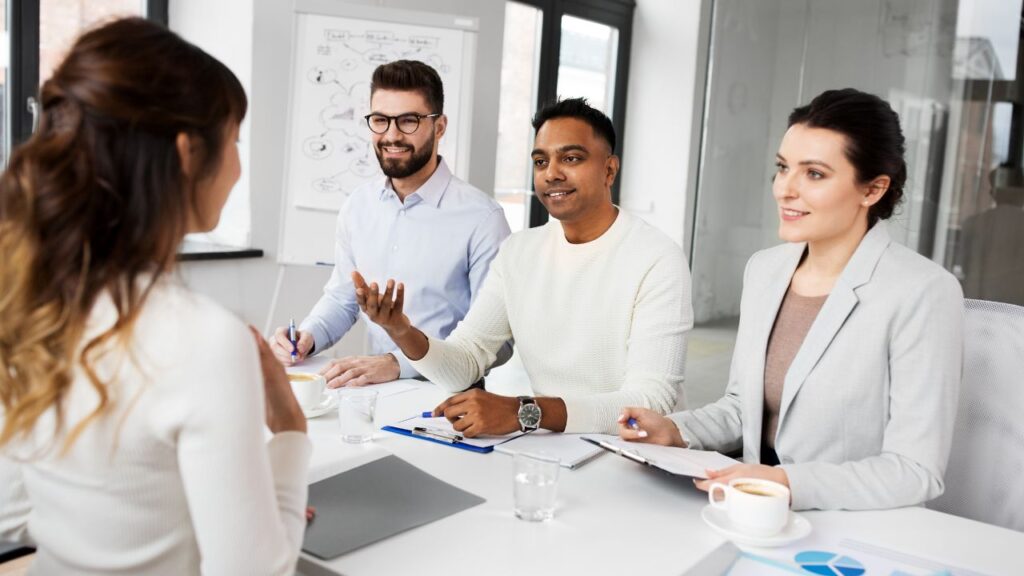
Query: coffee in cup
[
  {"x": 755, "y": 506},
  {"x": 308, "y": 388},
  {"x": 754, "y": 489}
]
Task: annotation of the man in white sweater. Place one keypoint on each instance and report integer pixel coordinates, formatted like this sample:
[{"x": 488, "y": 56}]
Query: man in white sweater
[{"x": 598, "y": 302}]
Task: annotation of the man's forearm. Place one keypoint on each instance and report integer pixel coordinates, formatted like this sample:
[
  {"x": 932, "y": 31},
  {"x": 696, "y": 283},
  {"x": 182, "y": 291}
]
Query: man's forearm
[{"x": 412, "y": 342}]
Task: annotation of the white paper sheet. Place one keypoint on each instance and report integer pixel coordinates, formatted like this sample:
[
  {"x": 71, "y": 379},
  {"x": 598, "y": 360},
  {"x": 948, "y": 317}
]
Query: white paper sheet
[
  {"x": 680, "y": 461},
  {"x": 570, "y": 449}
]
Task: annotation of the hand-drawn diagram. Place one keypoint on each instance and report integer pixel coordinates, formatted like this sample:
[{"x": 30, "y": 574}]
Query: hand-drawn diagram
[{"x": 332, "y": 151}]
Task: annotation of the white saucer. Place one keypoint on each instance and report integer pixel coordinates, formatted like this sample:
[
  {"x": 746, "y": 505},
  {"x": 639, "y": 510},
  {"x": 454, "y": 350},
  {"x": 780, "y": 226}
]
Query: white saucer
[
  {"x": 795, "y": 529},
  {"x": 329, "y": 403}
]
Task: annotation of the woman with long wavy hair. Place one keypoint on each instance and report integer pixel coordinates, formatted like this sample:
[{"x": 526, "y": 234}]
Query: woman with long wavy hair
[{"x": 131, "y": 423}]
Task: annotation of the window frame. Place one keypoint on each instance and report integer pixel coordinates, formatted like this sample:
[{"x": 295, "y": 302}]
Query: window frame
[{"x": 23, "y": 71}]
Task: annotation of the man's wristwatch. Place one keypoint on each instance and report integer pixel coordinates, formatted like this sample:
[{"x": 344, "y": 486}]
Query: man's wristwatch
[{"x": 529, "y": 414}]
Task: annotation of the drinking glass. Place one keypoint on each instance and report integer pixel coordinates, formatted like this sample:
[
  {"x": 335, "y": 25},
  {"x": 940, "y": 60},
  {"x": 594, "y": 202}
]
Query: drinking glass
[
  {"x": 535, "y": 486},
  {"x": 356, "y": 409}
]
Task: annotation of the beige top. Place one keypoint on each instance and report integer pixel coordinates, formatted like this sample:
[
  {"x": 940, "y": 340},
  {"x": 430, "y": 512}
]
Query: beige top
[{"x": 796, "y": 314}]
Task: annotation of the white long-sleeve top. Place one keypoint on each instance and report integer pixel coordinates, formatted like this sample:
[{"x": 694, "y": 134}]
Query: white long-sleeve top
[
  {"x": 601, "y": 325},
  {"x": 177, "y": 478}
]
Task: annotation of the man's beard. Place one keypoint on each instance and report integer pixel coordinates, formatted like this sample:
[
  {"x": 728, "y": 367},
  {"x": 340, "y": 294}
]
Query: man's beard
[{"x": 394, "y": 168}]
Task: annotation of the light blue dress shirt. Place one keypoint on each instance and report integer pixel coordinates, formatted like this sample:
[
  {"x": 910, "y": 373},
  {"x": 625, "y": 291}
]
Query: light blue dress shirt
[{"x": 439, "y": 243}]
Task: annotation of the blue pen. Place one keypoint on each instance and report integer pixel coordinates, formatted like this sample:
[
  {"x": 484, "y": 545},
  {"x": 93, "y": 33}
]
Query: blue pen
[
  {"x": 291, "y": 338},
  {"x": 632, "y": 424},
  {"x": 427, "y": 415}
]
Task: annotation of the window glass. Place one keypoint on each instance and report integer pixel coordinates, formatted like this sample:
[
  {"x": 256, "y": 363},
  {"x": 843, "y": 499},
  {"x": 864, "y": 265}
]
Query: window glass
[{"x": 61, "y": 21}]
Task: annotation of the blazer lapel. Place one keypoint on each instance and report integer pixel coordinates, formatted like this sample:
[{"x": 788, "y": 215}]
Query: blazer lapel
[
  {"x": 837, "y": 308},
  {"x": 772, "y": 291}
]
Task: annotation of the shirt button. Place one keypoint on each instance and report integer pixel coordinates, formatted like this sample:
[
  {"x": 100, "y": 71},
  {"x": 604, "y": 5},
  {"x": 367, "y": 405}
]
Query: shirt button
[{"x": 394, "y": 248}]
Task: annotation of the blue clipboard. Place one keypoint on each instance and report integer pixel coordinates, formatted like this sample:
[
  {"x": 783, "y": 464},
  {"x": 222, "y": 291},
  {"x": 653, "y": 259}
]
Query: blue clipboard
[
  {"x": 439, "y": 431},
  {"x": 460, "y": 445}
]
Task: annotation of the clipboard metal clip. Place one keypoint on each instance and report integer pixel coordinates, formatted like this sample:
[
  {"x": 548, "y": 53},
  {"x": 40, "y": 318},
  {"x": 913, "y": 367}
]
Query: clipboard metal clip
[
  {"x": 437, "y": 435},
  {"x": 632, "y": 455}
]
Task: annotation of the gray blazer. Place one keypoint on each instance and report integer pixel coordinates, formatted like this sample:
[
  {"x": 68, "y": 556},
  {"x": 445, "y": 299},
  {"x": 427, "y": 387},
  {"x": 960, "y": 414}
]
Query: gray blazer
[{"x": 869, "y": 402}]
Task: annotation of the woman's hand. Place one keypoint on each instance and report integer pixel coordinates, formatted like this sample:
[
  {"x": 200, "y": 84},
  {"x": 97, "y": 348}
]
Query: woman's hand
[
  {"x": 773, "y": 473},
  {"x": 650, "y": 427},
  {"x": 283, "y": 410}
]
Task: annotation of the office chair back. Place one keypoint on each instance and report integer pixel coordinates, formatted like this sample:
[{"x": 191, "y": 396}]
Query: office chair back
[{"x": 985, "y": 475}]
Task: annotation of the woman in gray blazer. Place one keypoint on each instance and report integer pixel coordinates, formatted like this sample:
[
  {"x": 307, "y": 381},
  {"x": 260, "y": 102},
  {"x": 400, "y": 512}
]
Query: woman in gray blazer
[{"x": 845, "y": 375}]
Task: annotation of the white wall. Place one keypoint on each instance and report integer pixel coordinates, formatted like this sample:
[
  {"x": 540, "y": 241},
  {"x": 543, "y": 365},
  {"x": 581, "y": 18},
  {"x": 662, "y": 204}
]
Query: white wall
[
  {"x": 246, "y": 286},
  {"x": 202, "y": 23},
  {"x": 662, "y": 93}
]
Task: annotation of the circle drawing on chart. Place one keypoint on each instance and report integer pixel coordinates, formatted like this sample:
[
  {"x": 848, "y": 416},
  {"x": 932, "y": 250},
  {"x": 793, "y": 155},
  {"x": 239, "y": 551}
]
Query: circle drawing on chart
[
  {"x": 337, "y": 117},
  {"x": 317, "y": 148},
  {"x": 828, "y": 564},
  {"x": 328, "y": 186},
  {"x": 319, "y": 75},
  {"x": 351, "y": 148},
  {"x": 377, "y": 57},
  {"x": 364, "y": 168},
  {"x": 349, "y": 64}
]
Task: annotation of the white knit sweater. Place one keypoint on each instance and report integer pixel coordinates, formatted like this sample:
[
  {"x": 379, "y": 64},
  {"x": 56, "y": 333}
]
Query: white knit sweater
[
  {"x": 601, "y": 325},
  {"x": 178, "y": 478}
]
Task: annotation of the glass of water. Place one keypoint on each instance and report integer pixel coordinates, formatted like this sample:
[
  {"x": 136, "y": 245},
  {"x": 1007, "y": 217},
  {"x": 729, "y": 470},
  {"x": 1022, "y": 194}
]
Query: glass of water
[
  {"x": 536, "y": 486},
  {"x": 356, "y": 409}
]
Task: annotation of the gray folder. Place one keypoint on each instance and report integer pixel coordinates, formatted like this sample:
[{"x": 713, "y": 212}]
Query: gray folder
[{"x": 375, "y": 501}]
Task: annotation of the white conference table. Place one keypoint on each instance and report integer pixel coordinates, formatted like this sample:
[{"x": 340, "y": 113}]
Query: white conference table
[{"x": 613, "y": 517}]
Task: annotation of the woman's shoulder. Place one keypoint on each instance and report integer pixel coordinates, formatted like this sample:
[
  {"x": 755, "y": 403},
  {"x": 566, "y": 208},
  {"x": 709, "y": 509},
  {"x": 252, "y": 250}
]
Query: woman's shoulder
[
  {"x": 905, "y": 270},
  {"x": 176, "y": 319}
]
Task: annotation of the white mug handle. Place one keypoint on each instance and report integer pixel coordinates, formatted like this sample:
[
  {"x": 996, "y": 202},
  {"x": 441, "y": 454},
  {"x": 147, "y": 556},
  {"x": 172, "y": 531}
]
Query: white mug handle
[{"x": 711, "y": 495}]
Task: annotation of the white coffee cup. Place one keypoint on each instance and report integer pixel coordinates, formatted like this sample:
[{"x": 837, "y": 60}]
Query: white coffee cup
[
  {"x": 308, "y": 388},
  {"x": 755, "y": 506}
]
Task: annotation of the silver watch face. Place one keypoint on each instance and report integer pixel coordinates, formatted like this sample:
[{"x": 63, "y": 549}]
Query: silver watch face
[{"x": 529, "y": 416}]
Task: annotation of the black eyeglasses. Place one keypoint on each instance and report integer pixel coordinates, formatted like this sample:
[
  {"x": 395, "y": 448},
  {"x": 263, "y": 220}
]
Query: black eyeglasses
[{"x": 406, "y": 123}]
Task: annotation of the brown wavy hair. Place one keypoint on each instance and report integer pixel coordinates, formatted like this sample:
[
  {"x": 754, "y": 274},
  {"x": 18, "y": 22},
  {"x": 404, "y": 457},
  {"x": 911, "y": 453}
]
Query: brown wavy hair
[{"x": 96, "y": 202}]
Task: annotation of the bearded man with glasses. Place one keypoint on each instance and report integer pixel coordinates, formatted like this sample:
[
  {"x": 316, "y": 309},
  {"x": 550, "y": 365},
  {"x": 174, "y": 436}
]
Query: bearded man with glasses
[{"x": 417, "y": 221}]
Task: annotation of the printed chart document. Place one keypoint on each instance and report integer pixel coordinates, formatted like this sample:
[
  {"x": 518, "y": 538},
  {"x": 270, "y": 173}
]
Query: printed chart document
[
  {"x": 678, "y": 461},
  {"x": 440, "y": 430},
  {"x": 830, "y": 554},
  {"x": 570, "y": 449}
]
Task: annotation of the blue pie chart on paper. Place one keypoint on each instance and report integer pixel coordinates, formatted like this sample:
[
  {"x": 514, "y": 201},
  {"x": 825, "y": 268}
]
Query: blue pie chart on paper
[{"x": 828, "y": 564}]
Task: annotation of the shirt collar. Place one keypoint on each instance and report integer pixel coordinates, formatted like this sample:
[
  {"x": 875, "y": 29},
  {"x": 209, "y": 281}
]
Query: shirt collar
[{"x": 430, "y": 192}]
